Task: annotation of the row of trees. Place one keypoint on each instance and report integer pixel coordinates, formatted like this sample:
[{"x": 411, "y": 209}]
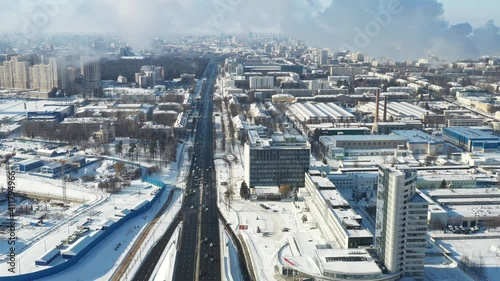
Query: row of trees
[
  {"x": 474, "y": 269},
  {"x": 160, "y": 147},
  {"x": 284, "y": 190},
  {"x": 174, "y": 67}
]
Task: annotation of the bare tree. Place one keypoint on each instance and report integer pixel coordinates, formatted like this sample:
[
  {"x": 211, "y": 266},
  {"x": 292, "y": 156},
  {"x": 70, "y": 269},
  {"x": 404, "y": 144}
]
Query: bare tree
[{"x": 228, "y": 196}]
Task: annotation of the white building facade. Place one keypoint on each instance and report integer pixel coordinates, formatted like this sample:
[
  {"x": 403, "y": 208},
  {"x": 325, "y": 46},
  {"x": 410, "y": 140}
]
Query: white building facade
[{"x": 401, "y": 225}]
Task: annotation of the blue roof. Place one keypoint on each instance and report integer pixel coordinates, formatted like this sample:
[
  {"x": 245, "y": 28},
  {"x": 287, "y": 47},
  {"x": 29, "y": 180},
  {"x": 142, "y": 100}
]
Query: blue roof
[
  {"x": 471, "y": 134},
  {"x": 52, "y": 165},
  {"x": 29, "y": 162}
]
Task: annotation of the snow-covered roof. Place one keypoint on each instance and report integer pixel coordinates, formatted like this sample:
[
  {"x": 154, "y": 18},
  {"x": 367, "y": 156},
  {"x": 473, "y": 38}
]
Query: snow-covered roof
[{"x": 80, "y": 244}]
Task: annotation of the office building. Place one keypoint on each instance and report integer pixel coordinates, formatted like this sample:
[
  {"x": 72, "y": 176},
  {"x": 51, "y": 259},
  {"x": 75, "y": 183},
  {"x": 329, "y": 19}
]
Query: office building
[
  {"x": 462, "y": 118},
  {"x": 281, "y": 159},
  {"x": 329, "y": 206},
  {"x": 350, "y": 71},
  {"x": 365, "y": 142},
  {"x": 401, "y": 222},
  {"x": 262, "y": 82}
]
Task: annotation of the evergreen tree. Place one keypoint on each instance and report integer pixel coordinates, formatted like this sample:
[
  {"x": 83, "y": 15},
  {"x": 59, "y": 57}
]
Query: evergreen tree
[
  {"x": 443, "y": 185},
  {"x": 244, "y": 191}
]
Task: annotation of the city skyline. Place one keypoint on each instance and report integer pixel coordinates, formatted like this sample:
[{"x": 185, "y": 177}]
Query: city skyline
[{"x": 451, "y": 30}]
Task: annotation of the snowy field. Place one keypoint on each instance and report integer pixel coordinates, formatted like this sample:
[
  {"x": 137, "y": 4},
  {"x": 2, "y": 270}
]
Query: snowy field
[
  {"x": 101, "y": 262},
  {"x": 54, "y": 231},
  {"x": 487, "y": 250},
  {"x": 98, "y": 207},
  {"x": 440, "y": 268}
]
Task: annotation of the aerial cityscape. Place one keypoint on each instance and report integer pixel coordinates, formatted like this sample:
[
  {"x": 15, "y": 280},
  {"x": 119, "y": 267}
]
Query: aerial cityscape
[{"x": 250, "y": 140}]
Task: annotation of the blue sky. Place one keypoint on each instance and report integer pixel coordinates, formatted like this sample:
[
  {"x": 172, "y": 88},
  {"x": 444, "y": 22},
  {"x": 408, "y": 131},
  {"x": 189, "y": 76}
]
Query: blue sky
[{"x": 476, "y": 12}]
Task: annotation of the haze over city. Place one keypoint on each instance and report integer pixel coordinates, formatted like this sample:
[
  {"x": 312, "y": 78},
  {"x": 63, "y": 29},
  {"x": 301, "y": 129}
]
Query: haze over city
[
  {"x": 416, "y": 28},
  {"x": 259, "y": 140}
]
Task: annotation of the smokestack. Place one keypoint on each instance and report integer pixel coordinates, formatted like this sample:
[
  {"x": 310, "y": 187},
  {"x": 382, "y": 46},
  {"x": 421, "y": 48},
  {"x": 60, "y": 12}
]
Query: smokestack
[
  {"x": 377, "y": 104},
  {"x": 386, "y": 98}
]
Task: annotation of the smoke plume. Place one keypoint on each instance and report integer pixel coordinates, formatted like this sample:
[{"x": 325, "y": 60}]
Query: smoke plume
[{"x": 398, "y": 29}]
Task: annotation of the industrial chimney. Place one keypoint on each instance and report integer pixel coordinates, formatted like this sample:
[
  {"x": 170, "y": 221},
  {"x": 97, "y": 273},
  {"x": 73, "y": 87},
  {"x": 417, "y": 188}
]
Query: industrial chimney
[
  {"x": 386, "y": 98},
  {"x": 377, "y": 104}
]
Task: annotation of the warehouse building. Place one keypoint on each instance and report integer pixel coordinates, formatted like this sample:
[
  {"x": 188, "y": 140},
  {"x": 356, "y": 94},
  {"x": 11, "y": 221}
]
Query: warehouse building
[
  {"x": 27, "y": 165},
  {"x": 472, "y": 139},
  {"x": 421, "y": 143},
  {"x": 404, "y": 110},
  {"x": 56, "y": 112},
  {"x": 316, "y": 113}
]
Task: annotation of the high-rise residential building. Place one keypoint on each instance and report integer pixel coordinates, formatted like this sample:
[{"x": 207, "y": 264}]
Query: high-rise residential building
[
  {"x": 36, "y": 76},
  {"x": 239, "y": 70},
  {"x": 2, "y": 82},
  {"x": 9, "y": 77},
  {"x": 10, "y": 70},
  {"x": 15, "y": 74},
  {"x": 281, "y": 159},
  {"x": 21, "y": 76},
  {"x": 323, "y": 59},
  {"x": 401, "y": 224},
  {"x": 42, "y": 77},
  {"x": 149, "y": 76},
  {"x": 69, "y": 76},
  {"x": 91, "y": 70}
]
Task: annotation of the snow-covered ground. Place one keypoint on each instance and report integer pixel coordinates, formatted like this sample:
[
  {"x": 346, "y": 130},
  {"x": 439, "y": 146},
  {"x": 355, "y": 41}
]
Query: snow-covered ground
[
  {"x": 98, "y": 211},
  {"x": 34, "y": 185},
  {"x": 102, "y": 261},
  {"x": 485, "y": 250},
  {"x": 165, "y": 268},
  {"x": 440, "y": 268},
  {"x": 263, "y": 246}
]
